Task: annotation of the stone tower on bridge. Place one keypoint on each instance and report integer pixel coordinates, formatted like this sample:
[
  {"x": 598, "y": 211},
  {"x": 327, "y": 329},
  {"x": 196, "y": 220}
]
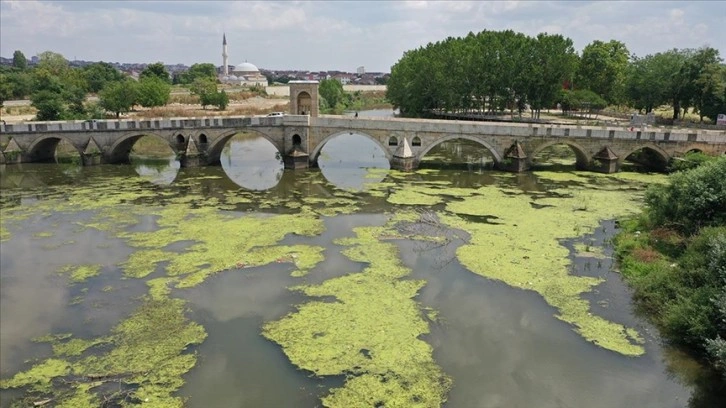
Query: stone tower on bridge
[{"x": 304, "y": 98}]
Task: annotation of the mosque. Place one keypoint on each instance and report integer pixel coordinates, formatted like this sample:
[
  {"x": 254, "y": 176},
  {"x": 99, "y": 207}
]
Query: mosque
[{"x": 244, "y": 74}]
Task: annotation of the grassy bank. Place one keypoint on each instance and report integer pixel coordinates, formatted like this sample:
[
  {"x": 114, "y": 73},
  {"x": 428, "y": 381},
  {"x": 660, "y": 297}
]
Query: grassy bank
[{"x": 674, "y": 258}]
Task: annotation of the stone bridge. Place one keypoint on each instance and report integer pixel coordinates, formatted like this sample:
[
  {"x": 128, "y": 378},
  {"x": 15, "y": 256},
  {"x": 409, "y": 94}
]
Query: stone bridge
[{"x": 300, "y": 138}]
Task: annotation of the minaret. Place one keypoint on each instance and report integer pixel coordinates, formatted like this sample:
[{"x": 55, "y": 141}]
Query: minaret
[{"x": 225, "y": 66}]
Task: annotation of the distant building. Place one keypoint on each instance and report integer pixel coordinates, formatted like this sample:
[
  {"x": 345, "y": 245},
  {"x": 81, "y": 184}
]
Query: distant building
[
  {"x": 361, "y": 70},
  {"x": 245, "y": 74}
]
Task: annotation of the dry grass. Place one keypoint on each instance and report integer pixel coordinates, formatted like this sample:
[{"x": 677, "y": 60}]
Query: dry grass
[
  {"x": 647, "y": 255},
  {"x": 187, "y": 111}
]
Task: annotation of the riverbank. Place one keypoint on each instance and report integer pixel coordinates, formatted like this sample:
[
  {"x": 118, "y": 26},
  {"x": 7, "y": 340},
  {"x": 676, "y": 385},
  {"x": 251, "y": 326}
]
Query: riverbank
[{"x": 673, "y": 256}]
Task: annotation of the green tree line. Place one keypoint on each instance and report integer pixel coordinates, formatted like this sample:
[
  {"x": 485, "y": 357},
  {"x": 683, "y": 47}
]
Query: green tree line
[
  {"x": 58, "y": 91},
  {"x": 335, "y": 100},
  {"x": 496, "y": 71}
]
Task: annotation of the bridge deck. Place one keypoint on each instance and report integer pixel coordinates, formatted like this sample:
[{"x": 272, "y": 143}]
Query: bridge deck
[{"x": 394, "y": 124}]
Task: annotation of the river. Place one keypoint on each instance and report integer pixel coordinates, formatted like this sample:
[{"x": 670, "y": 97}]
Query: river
[{"x": 344, "y": 285}]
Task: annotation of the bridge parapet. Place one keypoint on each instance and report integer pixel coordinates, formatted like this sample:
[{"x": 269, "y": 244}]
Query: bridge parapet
[
  {"x": 153, "y": 124},
  {"x": 519, "y": 130}
]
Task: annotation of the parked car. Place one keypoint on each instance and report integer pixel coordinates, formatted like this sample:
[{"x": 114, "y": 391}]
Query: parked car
[{"x": 276, "y": 114}]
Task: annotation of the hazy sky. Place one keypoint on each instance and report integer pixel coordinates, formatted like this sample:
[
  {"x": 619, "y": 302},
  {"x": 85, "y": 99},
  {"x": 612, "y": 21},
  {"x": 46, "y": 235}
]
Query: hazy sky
[{"x": 342, "y": 35}]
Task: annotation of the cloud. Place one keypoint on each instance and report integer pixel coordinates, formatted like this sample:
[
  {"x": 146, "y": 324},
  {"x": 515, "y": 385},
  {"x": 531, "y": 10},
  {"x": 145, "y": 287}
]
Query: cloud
[{"x": 318, "y": 35}]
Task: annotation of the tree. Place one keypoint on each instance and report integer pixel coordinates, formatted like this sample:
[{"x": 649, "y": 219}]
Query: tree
[
  {"x": 53, "y": 63},
  {"x": 19, "y": 60},
  {"x": 603, "y": 68},
  {"x": 218, "y": 99},
  {"x": 50, "y": 105},
  {"x": 6, "y": 89},
  {"x": 119, "y": 97},
  {"x": 332, "y": 91},
  {"x": 152, "y": 91},
  {"x": 581, "y": 100},
  {"x": 204, "y": 88},
  {"x": 711, "y": 96},
  {"x": 649, "y": 80},
  {"x": 98, "y": 74},
  {"x": 553, "y": 61},
  {"x": 204, "y": 70},
  {"x": 158, "y": 70}
]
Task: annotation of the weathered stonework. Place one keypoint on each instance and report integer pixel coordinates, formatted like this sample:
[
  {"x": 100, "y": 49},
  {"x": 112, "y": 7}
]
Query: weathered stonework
[
  {"x": 304, "y": 98},
  {"x": 36, "y": 141}
]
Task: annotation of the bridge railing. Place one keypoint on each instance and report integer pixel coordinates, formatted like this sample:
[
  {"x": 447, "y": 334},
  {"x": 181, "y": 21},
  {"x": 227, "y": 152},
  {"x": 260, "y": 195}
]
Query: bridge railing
[
  {"x": 519, "y": 130},
  {"x": 153, "y": 124}
]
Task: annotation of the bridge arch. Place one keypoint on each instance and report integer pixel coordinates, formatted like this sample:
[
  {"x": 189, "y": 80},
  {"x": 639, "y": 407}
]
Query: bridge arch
[
  {"x": 44, "y": 147},
  {"x": 214, "y": 151},
  {"x": 485, "y": 144},
  {"x": 582, "y": 159},
  {"x": 661, "y": 154},
  {"x": 121, "y": 148},
  {"x": 316, "y": 151}
]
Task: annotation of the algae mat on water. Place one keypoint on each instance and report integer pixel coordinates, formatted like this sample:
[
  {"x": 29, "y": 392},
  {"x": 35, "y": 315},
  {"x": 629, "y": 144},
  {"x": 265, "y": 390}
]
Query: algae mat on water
[
  {"x": 523, "y": 246},
  {"x": 146, "y": 353},
  {"x": 524, "y": 249},
  {"x": 370, "y": 333}
]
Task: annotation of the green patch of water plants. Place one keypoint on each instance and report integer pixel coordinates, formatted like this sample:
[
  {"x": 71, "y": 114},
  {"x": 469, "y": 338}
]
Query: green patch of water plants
[
  {"x": 523, "y": 250},
  {"x": 222, "y": 242},
  {"x": 79, "y": 273},
  {"x": 146, "y": 352},
  {"x": 370, "y": 334}
]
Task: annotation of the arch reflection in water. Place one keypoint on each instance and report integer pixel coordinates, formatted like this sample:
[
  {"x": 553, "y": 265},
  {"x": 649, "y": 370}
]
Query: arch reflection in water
[
  {"x": 158, "y": 170},
  {"x": 252, "y": 162},
  {"x": 345, "y": 161}
]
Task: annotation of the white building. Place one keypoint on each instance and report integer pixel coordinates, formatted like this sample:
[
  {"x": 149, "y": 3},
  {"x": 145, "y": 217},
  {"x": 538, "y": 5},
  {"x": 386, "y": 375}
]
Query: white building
[{"x": 244, "y": 74}]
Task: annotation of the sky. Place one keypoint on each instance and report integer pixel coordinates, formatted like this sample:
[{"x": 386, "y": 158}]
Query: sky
[{"x": 335, "y": 35}]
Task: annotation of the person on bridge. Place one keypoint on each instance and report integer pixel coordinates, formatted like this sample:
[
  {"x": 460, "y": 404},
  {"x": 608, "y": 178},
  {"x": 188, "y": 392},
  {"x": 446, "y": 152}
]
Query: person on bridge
[{"x": 356, "y": 115}]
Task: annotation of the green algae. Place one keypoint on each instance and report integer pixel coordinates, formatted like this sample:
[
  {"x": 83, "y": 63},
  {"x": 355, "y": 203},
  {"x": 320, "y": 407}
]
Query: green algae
[
  {"x": 76, "y": 300},
  {"x": 253, "y": 243},
  {"x": 147, "y": 352},
  {"x": 412, "y": 196},
  {"x": 370, "y": 333},
  {"x": 43, "y": 234},
  {"x": 367, "y": 362},
  {"x": 79, "y": 273},
  {"x": 75, "y": 347},
  {"x": 524, "y": 251},
  {"x": 38, "y": 378},
  {"x": 49, "y": 338},
  {"x": 81, "y": 397}
]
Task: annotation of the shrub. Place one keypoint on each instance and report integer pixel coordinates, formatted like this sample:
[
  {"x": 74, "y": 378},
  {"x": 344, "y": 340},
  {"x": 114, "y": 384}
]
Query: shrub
[{"x": 694, "y": 198}]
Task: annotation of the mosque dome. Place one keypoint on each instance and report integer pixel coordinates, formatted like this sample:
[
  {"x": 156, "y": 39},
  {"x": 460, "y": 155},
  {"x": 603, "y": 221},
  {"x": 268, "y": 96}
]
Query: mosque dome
[{"x": 246, "y": 67}]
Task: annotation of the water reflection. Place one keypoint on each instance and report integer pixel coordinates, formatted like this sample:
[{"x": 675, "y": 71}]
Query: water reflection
[
  {"x": 459, "y": 154},
  {"x": 160, "y": 171},
  {"x": 345, "y": 161},
  {"x": 252, "y": 162}
]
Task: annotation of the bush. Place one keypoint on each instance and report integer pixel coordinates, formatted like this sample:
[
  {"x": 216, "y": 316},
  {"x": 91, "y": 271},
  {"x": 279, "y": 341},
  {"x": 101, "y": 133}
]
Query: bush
[
  {"x": 691, "y": 160},
  {"x": 694, "y": 198}
]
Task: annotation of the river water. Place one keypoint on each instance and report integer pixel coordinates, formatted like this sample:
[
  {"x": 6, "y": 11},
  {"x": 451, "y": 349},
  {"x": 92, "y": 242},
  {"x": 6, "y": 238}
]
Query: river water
[{"x": 497, "y": 343}]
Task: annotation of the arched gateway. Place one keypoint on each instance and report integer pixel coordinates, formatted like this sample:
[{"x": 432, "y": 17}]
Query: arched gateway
[{"x": 304, "y": 98}]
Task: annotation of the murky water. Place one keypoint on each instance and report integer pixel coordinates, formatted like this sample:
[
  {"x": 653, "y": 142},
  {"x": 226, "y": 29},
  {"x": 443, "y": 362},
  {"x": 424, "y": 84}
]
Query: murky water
[{"x": 500, "y": 345}]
